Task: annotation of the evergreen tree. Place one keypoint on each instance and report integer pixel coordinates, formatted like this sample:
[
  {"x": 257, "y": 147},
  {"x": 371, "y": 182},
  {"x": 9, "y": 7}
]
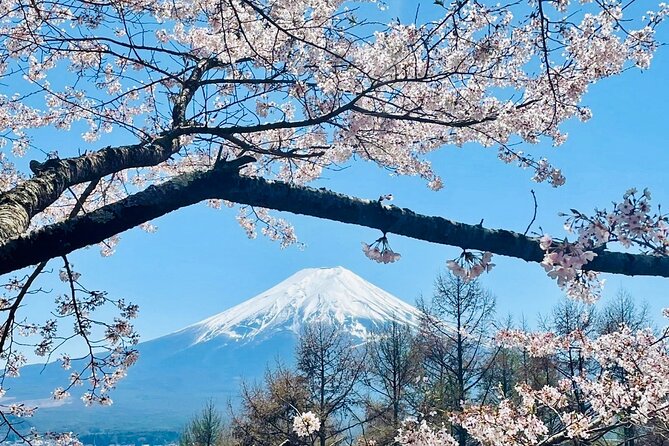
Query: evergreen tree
[{"x": 205, "y": 429}]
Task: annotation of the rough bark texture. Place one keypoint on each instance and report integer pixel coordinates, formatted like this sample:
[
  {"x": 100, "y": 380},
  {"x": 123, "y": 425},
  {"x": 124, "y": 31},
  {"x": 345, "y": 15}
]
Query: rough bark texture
[
  {"x": 62, "y": 238},
  {"x": 19, "y": 205}
]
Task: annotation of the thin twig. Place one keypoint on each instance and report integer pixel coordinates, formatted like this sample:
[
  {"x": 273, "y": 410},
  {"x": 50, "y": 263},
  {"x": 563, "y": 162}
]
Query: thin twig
[{"x": 534, "y": 216}]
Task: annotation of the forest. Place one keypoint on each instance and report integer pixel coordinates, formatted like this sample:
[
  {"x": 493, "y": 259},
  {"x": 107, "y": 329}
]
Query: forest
[{"x": 455, "y": 370}]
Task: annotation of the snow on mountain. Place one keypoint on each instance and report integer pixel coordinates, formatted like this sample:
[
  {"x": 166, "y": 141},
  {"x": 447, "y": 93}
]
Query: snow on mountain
[
  {"x": 334, "y": 295},
  {"x": 177, "y": 373}
]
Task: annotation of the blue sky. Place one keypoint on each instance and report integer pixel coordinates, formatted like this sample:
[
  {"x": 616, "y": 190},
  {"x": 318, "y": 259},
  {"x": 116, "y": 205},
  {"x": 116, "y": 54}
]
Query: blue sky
[{"x": 200, "y": 261}]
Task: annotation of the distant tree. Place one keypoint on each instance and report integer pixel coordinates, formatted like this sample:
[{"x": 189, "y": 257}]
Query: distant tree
[
  {"x": 505, "y": 370},
  {"x": 623, "y": 309},
  {"x": 392, "y": 368},
  {"x": 333, "y": 368},
  {"x": 453, "y": 336},
  {"x": 205, "y": 429},
  {"x": 568, "y": 316},
  {"x": 267, "y": 410}
]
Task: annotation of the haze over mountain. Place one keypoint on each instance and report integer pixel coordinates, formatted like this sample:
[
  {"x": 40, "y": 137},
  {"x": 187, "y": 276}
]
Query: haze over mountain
[{"x": 177, "y": 373}]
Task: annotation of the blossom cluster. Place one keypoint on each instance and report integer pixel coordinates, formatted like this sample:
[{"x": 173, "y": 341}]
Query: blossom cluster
[
  {"x": 504, "y": 424},
  {"x": 306, "y": 424},
  {"x": 630, "y": 224},
  {"x": 418, "y": 433},
  {"x": 276, "y": 229},
  {"x": 470, "y": 265},
  {"x": 629, "y": 385},
  {"x": 380, "y": 251}
]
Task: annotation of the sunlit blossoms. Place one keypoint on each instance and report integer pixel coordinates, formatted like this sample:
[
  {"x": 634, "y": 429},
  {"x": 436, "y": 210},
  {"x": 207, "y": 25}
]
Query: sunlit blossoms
[
  {"x": 380, "y": 251},
  {"x": 418, "y": 433},
  {"x": 21, "y": 410},
  {"x": 630, "y": 224},
  {"x": 504, "y": 424},
  {"x": 306, "y": 424},
  {"x": 564, "y": 262},
  {"x": 60, "y": 394},
  {"x": 470, "y": 265},
  {"x": 624, "y": 383}
]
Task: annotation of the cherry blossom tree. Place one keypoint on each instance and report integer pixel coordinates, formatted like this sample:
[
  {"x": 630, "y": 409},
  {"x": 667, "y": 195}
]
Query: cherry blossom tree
[
  {"x": 243, "y": 103},
  {"x": 628, "y": 390},
  {"x": 588, "y": 406}
]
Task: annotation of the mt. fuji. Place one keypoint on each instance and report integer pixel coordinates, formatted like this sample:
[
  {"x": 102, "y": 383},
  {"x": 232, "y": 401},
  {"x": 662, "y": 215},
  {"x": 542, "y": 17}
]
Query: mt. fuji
[
  {"x": 177, "y": 373},
  {"x": 333, "y": 295}
]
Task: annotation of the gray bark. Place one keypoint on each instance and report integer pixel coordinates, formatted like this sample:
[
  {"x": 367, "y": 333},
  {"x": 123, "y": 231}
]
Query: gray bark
[
  {"x": 225, "y": 183},
  {"x": 19, "y": 205}
]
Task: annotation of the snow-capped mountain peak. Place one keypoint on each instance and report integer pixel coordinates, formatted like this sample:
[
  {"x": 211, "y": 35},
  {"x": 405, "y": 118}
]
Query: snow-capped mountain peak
[
  {"x": 334, "y": 295},
  {"x": 211, "y": 358}
]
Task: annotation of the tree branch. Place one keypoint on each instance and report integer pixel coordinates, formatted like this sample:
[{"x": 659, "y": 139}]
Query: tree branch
[
  {"x": 224, "y": 182},
  {"x": 20, "y": 204}
]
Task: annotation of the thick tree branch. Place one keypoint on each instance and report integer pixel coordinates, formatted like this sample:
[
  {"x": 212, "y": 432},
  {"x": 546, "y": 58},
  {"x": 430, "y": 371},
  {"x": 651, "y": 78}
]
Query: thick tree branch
[
  {"x": 224, "y": 183},
  {"x": 19, "y": 205}
]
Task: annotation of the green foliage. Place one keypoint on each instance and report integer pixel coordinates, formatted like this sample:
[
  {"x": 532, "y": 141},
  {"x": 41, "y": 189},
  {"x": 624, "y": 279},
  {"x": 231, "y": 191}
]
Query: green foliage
[{"x": 205, "y": 429}]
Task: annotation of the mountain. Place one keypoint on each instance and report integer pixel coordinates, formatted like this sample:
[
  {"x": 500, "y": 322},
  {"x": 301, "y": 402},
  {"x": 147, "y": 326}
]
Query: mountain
[
  {"x": 334, "y": 295},
  {"x": 177, "y": 373}
]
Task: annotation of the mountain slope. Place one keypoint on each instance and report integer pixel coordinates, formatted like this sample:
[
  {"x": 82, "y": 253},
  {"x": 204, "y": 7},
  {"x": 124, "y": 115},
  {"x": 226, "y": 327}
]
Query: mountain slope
[
  {"x": 178, "y": 372},
  {"x": 335, "y": 295}
]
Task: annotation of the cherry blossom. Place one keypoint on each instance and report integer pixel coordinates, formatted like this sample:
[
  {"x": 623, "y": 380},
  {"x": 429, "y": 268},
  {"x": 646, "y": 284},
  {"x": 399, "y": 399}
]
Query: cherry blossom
[
  {"x": 630, "y": 224},
  {"x": 419, "y": 433},
  {"x": 59, "y": 393},
  {"x": 306, "y": 424},
  {"x": 587, "y": 404},
  {"x": 380, "y": 251},
  {"x": 470, "y": 265}
]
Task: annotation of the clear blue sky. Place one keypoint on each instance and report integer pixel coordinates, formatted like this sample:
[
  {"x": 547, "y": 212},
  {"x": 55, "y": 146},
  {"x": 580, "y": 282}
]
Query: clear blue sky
[{"x": 200, "y": 262}]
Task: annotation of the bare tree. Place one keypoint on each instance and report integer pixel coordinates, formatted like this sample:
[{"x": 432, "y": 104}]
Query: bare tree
[
  {"x": 267, "y": 411},
  {"x": 454, "y": 334},
  {"x": 333, "y": 367},
  {"x": 568, "y": 316},
  {"x": 392, "y": 369},
  {"x": 622, "y": 309}
]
